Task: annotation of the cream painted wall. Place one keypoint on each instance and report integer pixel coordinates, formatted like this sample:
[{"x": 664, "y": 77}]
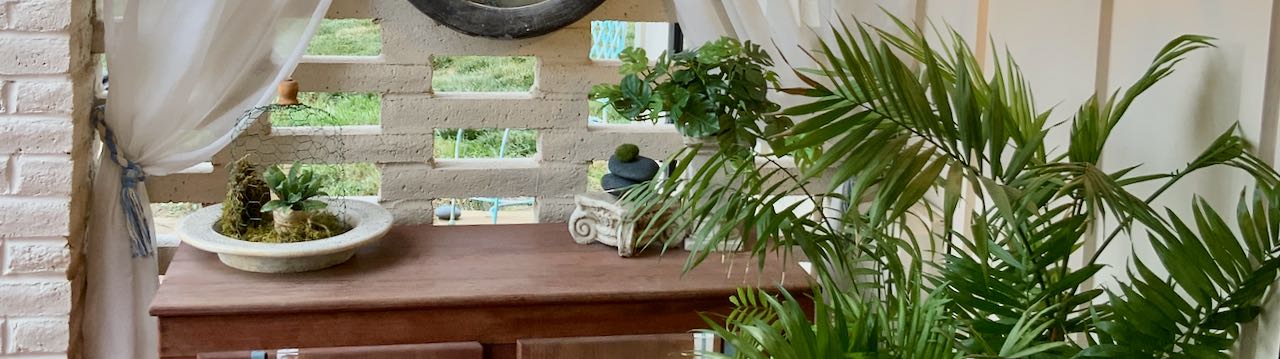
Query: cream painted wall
[
  {"x": 1056, "y": 44},
  {"x": 964, "y": 16}
]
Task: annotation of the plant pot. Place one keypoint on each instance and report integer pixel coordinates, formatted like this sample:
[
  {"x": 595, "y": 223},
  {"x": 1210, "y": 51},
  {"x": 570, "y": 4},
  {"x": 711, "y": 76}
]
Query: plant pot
[
  {"x": 708, "y": 141},
  {"x": 286, "y": 220},
  {"x": 287, "y": 93},
  {"x": 369, "y": 221}
]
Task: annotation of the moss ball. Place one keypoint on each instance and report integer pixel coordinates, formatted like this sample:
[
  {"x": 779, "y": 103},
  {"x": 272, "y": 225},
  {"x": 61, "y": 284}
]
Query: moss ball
[{"x": 627, "y": 152}]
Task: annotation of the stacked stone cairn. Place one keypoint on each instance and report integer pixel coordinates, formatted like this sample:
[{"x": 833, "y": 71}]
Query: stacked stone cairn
[{"x": 627, "y": 168}]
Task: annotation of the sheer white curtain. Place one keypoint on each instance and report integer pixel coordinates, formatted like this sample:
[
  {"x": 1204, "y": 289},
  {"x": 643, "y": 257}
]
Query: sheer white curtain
[
  {"x": 788, "y": 24},
  {"x": 182, "y": 74}
]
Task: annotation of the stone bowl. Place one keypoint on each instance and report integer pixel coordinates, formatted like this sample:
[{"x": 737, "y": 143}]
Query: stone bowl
[{"x": 369, "y": 221}]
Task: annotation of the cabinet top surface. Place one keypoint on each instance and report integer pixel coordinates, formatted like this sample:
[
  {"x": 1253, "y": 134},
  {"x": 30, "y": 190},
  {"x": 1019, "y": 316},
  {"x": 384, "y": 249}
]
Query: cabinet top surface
[{"x": 423, "y": 267}]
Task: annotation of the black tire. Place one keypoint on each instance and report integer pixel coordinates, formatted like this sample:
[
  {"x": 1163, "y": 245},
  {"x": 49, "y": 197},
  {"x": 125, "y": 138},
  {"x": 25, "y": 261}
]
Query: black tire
[{"x": 506, "y": 23}]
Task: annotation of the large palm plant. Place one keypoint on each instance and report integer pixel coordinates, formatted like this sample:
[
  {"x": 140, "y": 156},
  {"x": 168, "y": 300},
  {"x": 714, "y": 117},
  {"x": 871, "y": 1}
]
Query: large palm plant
[{"x": 941, "y": 225}]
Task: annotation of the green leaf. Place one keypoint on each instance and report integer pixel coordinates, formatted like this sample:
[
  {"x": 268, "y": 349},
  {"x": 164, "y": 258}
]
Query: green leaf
[
  {"x": 1233, "y": 316},
  {"x": 274, "y": 205}
]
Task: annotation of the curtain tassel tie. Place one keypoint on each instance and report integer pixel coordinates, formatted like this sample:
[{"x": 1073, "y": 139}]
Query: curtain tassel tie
[{"x": 140, "y": 232}]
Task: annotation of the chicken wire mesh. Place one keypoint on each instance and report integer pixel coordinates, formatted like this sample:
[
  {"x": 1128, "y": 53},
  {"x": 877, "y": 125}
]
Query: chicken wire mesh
[{"x": 319, "y": 150}]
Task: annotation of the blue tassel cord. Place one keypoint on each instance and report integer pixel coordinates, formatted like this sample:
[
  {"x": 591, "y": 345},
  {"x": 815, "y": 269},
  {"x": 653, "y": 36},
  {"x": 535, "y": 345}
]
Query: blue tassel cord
[{"x": 140, "y": 230}]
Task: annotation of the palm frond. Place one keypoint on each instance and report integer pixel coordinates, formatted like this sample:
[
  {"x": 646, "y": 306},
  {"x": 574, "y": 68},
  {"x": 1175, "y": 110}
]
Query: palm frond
[
  {"x": 1223, "y": 276},
  {"x": 908, "y": 148}
]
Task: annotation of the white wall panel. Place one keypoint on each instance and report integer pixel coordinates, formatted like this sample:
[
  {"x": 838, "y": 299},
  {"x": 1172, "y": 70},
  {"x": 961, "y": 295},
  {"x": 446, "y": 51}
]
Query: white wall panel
[
  {"x": 1181, "y": 115},
  {"x": 966, "y": 17},
  {"x": 1056, "y": 44},
  {"x": 878, "y": 12},
  {"x": 1070, "y": 48},
  {"x": 1177, "y": 118}
]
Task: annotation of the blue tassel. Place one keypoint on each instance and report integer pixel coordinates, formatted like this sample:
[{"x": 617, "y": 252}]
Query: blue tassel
[{"x": 131, "y": 175}]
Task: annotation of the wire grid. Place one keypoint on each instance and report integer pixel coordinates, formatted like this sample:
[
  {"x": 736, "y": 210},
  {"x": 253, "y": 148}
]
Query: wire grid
[{"x": 324, "y": 155}]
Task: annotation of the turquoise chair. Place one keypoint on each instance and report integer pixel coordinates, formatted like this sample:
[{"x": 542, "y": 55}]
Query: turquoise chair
[{"x": 495, "y": 203}]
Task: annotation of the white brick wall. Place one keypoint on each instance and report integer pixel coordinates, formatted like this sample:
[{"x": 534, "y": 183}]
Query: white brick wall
[
  {"x": 42, "y": 96},
  {"x": 40, "y": 15},
  {"x": 44, "y": 87},
  {"x": 411, "y": 111},
  {"x": 37, "y": 335},
  {"x": 42, "y": 175},
  {"x": 35, "y": 256}
]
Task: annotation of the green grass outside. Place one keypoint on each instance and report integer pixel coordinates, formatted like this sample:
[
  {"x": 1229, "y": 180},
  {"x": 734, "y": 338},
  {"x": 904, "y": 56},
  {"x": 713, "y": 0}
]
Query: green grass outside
[
  {"x": 363, "y": 37},
  {"x": 349, "y": 37},
  {"x": 485, "y": 143},
  {"x": 595, "y": 172},
  {"x": 483, "y": 73},
  {"x": 352, "y": 179},
  {"x": 342, "y": 108}
]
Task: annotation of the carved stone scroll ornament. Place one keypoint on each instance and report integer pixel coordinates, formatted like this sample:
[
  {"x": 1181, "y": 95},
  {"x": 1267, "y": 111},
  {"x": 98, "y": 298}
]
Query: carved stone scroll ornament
[{"x": 598, "y": 218}]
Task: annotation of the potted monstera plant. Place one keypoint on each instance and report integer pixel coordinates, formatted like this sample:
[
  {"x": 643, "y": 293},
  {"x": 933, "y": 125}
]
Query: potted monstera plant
[
  {"x": 283, "y": 222},
  {"x": 715, "y": 94}
]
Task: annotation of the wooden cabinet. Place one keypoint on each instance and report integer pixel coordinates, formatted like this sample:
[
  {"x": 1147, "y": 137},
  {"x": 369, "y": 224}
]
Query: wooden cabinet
[{"x": 506, "y": 287}]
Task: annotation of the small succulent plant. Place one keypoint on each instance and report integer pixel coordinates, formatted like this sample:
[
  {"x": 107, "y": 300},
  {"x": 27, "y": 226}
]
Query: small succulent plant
[{"x": 295, "y": 190}]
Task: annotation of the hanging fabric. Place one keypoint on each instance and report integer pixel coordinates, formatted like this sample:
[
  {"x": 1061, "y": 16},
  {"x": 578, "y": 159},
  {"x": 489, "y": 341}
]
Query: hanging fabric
[{"x": 182, "y": 75}]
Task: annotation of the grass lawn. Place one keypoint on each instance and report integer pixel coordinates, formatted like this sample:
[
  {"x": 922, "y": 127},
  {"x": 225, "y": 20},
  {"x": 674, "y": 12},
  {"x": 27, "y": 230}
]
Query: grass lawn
[
  {"x": 483, "y": 73},
  {"x": 349, "y": 37},
  {"x": 485, "y": 143},
  {"x": 340, "y": 109},
  {"x": 363, "y": 37},
  {"x": 352, "y": 179},
  {"x": 594, "y": 173}
]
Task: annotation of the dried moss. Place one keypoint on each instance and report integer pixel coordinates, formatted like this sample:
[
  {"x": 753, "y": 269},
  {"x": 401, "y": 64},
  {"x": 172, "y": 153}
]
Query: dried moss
[
  {"x": 246, "y": 193},
  {"x": 321, "y": 224}
]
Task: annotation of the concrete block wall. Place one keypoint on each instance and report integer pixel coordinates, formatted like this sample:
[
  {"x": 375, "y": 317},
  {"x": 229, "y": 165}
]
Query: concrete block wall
[
  {"x": 45, "y": 94},
  {"x": 411, "y": 111}
]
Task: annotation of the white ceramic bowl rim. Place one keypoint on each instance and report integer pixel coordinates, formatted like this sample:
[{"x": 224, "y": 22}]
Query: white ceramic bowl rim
[{"x": 370, "y": 222}]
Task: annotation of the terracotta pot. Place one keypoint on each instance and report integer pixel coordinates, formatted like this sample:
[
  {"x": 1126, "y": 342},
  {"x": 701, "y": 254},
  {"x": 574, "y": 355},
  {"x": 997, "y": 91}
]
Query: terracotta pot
[{"x": 288, "y": 92}]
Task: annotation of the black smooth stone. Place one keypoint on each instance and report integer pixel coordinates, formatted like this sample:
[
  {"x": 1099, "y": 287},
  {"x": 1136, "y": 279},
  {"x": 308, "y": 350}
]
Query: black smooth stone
[
  {"x": 640, "y": 170},
  {"x": 614, "y": 184}
]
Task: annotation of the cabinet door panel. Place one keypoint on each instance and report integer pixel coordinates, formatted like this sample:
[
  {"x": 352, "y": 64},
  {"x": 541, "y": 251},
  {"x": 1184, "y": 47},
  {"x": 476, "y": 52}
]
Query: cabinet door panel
[
  {"x": 656, "y": 346},
  {"x": 468, "y": 350}
]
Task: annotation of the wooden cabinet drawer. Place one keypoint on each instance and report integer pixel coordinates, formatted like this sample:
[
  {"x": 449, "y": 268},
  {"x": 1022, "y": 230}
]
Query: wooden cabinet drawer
[
  {"x": 469, "y": 350},
  {"x": 656, "y": 346}
]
